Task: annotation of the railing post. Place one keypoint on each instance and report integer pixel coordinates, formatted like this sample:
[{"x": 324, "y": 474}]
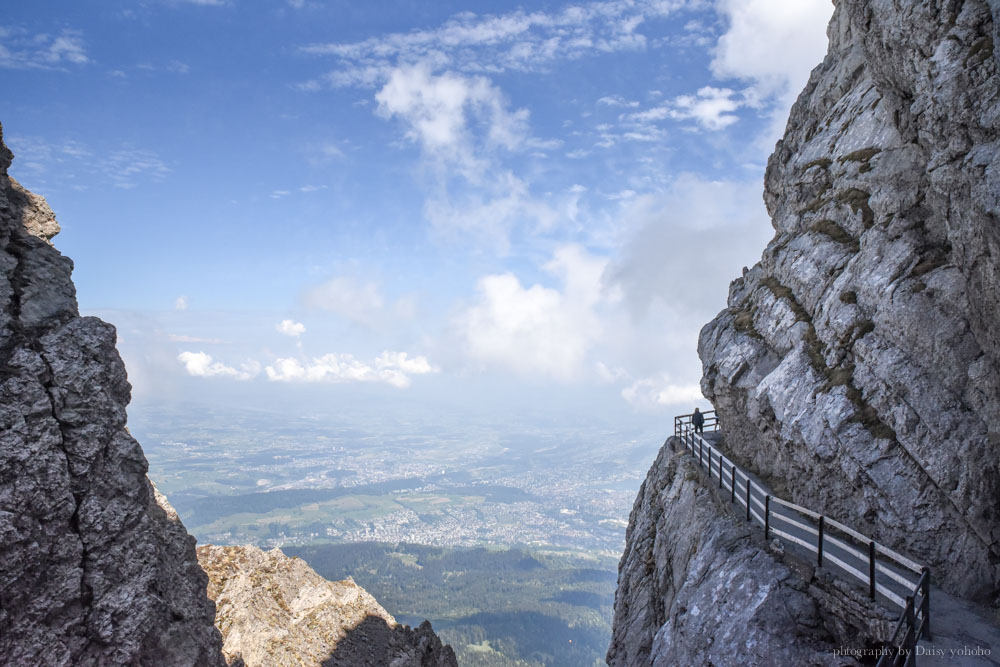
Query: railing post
[
  {"x": 910, "y": 641},
  {"x": 732, "y": 480},
  {"x": 748, "y": 498},
  {"x": 871, "y": 570},
  {"x": 819, "y": 544},
  {"x": 925, "y": 606},
  {"x": 720, "y": 470},
  {"x": 701, "y": 453},
  {"x": 767, "y": 518}
]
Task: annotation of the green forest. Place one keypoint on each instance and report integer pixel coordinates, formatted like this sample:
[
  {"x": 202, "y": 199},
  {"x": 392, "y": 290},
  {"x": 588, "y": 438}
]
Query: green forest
[{"x": 496, "y": 607}]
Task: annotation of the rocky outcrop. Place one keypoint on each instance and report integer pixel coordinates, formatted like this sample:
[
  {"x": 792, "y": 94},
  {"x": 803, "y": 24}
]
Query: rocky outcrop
[
  {"x": 274, "y": 610},
  {"x": 95, "y": 567},
  {"x": 697, "y": 587},
  {"x": 857, "y": 367}
]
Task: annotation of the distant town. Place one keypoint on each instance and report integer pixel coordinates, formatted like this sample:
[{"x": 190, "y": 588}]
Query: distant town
[{"x": 240, "y": 476}]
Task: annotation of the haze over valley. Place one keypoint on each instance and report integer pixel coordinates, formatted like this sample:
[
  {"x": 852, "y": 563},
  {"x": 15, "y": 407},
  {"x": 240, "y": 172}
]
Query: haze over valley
[{"x": 253, "y": 477}]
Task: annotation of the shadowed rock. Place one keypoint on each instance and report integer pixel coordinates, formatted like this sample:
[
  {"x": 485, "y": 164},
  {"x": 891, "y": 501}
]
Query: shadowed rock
[{"x": 274, "y": 610}]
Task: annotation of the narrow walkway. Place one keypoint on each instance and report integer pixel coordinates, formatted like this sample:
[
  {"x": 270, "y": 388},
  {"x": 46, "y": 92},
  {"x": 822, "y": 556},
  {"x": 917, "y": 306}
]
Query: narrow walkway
[
  {"x": 793, "y": 528},
  {"x": 963, "y": 633}
]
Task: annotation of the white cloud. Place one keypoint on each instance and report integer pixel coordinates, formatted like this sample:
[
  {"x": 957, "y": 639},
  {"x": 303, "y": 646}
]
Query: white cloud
[
  {"x": 518, "y": 40},
  {"x": 624, "y": 194},
  {"x": 687, "y": 245},
  {"x": 182, "y": 338},
  {"x": 121, "y": 167},
  {"x": 322, "y": 152},
  {"x": 537, "y": 330},
  {"x": 771, "y": 44},
  {"x": 610, "y": 374},
  {"x": 774, "y": 45},
  {"x": 402, "y": 362},
  {"x": 22, "y": 50},
  {"x": 712, "y": 108},
  {"x": 67, "y": 47},
  {"x": 492, "y": 211},
  {"x": 359, "y": 302},
  {"x": 200, "y": 364},
  {"x": 290, "y": 328},
  {"x": 651, "y": 393},
  {"x": 464, "y": 127},
  {"x": 438, "y": 109},
  {"x": 617, "y": 101},
  {"x": 181, "y": 303},
  {"x": 394, "y": 368},
  {"x": 125, "y": 165}
]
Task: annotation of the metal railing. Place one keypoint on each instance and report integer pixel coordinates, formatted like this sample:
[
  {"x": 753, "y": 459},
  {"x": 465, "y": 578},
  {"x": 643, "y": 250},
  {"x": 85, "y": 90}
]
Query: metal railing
[{"x": 888, "y": 575}]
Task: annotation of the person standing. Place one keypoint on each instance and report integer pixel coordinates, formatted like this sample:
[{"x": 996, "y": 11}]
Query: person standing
[{"x": 698, "y": 420}]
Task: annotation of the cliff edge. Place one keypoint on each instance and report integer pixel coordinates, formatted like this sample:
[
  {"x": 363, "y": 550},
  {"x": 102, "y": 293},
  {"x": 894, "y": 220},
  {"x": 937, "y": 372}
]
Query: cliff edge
[
  {"x": 95, "y": 568},
  {"x": 857, "y": 366}
]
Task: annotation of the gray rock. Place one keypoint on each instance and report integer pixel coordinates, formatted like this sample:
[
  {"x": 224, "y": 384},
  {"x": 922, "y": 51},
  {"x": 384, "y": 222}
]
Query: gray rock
[
  {"x": 857, "y": 366},
  {"x": 275, "y": 611},
  {"x": 695, "y": 587},
  {"x": 95, "y": 567}
]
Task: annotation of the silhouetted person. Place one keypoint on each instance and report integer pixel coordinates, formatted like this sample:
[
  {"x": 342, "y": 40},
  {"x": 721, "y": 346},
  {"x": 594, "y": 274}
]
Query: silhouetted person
[{"x": 698, "y": 420}]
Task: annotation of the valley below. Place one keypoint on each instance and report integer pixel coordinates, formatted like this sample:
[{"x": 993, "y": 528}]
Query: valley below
[{"x": 505, "y": 535}]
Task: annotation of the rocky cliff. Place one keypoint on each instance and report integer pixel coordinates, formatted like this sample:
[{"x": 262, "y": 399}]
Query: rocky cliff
[
  {"x": 95, "y": 568},
  {"x": 274, "y": 610},
  {"x": 857, "y": 367},
  {"x": 697, "y": 586}
]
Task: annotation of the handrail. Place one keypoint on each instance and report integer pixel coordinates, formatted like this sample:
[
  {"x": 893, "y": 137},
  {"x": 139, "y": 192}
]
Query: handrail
[{"x": 748, "y": 493}]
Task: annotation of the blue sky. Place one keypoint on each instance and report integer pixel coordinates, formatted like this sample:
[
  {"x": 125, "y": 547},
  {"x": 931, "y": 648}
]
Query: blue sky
[{"x": 292, "y": 202}]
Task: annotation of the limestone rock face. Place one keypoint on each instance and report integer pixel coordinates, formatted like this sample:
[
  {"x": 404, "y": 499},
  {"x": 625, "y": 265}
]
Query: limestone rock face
[
  {"x": 93, "y": 569},
  {"x": 857, "y": 366},
  {"x": 274, "y": 610},
  {"x": 696, "y": 588}
]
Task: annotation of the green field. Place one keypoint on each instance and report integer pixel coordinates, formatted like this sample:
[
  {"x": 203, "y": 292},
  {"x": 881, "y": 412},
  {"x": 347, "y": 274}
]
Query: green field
[{"x": 496, "y": 607}]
